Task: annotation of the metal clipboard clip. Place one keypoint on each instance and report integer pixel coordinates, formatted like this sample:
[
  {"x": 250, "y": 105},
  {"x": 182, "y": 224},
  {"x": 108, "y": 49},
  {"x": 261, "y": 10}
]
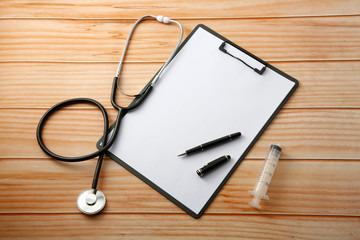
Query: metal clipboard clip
[{"x": 222, "y": 48}]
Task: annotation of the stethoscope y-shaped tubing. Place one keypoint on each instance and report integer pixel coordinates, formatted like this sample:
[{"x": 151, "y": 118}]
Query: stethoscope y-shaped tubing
[
  {"x": 122, "y": 110},
  {"x": 105, "y": 145}
]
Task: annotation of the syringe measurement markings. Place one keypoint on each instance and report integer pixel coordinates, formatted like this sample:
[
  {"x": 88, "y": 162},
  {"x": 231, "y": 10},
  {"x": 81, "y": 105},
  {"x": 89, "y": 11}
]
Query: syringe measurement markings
[
  {"x": 262, "y": 174},
  {"x": 270, "y": 174},
  {"x": 264, "y": 182},
  {"x": 271, "y": 164}
]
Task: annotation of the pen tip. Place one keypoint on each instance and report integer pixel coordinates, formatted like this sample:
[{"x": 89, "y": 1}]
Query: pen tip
[{"x": 183, "y": 154}]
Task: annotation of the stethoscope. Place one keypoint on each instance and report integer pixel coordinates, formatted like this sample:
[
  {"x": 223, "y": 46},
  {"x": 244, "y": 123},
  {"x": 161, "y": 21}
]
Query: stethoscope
[{"x": 93, "y": 200}]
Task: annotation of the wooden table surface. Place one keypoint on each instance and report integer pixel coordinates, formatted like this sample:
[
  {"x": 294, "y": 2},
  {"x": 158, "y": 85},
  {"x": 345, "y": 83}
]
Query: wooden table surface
[{"x": 55, "y": 50}]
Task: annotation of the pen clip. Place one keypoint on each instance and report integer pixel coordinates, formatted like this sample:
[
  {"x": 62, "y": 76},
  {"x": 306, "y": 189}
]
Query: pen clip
[{"x": 222, "y": 48}]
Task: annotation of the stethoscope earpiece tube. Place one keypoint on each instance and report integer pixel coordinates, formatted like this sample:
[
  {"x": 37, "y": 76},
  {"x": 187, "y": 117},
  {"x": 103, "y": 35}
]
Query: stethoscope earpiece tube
[
  {"x": 93, "y": 201},
  {"x": 160, "y": 19}
]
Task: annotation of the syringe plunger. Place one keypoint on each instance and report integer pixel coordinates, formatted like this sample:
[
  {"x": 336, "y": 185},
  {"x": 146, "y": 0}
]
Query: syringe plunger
[{"x": 266, "y": 174}]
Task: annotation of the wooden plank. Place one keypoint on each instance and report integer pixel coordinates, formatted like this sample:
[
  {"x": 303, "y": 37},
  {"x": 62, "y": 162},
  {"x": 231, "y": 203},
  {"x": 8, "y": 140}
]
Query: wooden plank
[
  {"x": 33, "y": 85},
  {"x": 304, "y": 134},
  {"x": 159, "y": 226},
  {"x": 298, "y": 187},
  {"x": 272, "y": 39},
  {"x": 175, "y": 9}
]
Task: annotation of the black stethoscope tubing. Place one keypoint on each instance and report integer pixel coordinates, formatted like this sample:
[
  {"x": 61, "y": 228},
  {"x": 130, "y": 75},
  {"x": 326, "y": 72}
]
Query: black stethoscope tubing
[{"x": 105, "y": 144}]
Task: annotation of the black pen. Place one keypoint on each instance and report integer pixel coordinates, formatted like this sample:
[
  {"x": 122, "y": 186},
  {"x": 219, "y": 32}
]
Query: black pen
[
  {"x": 210, "y": 144},
  {"x": 212, "y": 165}
]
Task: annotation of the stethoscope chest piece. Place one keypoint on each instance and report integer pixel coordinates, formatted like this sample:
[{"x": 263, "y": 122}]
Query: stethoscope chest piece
[{"x": 90, "y": 203}]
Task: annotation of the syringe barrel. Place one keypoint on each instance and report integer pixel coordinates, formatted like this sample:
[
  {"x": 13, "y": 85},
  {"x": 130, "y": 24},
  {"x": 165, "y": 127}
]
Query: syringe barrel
[
  {"x": 266, "y": 175},
  {"x": 268, "y": 168}
]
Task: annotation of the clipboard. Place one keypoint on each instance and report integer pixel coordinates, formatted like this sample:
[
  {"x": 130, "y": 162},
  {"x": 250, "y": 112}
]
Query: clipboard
[{"x": 211, "y": 88}]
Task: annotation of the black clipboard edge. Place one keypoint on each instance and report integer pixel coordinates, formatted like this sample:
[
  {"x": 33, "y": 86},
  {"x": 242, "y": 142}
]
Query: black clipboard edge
[{"x": 242, "y": 157}]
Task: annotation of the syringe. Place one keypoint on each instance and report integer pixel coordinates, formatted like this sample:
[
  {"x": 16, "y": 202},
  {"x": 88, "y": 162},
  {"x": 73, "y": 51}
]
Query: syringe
[{"x": 265, "y": 176}]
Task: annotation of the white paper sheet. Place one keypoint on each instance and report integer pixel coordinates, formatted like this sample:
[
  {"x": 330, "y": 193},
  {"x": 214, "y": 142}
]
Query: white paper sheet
[{"x": 203, "y": 95}]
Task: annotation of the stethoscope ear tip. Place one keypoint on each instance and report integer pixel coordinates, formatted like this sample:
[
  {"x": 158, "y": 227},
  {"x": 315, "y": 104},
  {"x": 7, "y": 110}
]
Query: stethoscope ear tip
[{"x": 91, "y": 203}]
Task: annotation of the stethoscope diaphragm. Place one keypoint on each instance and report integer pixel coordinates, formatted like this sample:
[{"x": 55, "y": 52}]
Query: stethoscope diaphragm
[{"x": 91, "y": 203}]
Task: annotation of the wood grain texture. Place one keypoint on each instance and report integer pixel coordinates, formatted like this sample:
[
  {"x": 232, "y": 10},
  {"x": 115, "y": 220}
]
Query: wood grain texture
[
  {"x": 174, "y": 8},
  {"x": 299, "y": 187},
  {"x": 304, "y": 134},
  {"x": 273, "y": 39},
  {"x": 54, "y": 50},
  {"x": 160, "y": 226},
  {"x": 34, "y": 85}
]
